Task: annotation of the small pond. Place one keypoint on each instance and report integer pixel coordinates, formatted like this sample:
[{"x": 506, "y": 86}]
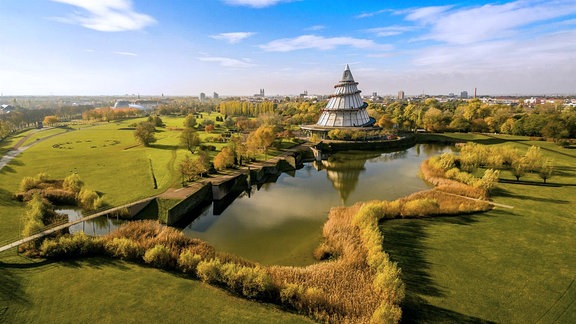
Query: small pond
[{"x": 280, "y": 222}]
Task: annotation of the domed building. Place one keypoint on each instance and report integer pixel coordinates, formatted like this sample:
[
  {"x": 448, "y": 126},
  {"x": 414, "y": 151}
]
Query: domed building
[{"x": 345, "y": 108}]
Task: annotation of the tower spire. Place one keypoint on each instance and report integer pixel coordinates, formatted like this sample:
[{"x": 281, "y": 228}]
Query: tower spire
[{"x": 347, "y": 75}]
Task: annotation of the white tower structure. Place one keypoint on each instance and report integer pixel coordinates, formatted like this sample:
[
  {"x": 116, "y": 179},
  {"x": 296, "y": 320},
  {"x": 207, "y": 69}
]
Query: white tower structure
[{"x": 345, "y": 107}]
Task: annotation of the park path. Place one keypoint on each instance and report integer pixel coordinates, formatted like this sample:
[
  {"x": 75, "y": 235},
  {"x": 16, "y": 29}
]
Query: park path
[{"x": 18, "y": 148}]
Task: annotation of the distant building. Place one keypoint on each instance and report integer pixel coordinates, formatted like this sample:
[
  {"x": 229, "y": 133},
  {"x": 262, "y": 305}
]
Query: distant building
[
  {"x": 121, "y": 104},
  {"x": 202, "y": 96},
  {"x": 216, "y": 96},
  {"x": 400, "y": 95},
  {"x": 261, "y": 94},
  {"x": 6, "y": 109},
  {"x": 464, "y": 95}
]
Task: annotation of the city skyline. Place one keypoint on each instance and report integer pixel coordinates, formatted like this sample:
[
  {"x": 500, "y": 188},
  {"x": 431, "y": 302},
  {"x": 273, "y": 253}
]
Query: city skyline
[{"x": 177, "y": 48}]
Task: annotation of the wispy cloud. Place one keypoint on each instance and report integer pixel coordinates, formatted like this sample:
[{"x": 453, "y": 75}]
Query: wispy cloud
[
  {"x": 106, "y": 15},
  {"x": 232, "y": 38},
  {"x": 390, "y": 30},
  {"x": 319, "y": 42},
  {"x": 255, "y": 3},
  {"x": 316, "y": 27},
  {"x": 372, "y": 14},
  {"x": 228, "y": 62},
  {"x": 126, "y": 53},
  {"x": 488, "y": 22}
]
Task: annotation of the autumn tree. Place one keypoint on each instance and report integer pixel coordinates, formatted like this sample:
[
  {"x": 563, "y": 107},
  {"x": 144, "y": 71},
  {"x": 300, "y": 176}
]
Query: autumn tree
[
  {"x": 190, "y": 139},
  {"x": 385, "y": 122},
  {"x": 209, "y": 128},
  {"x": 144, "y": 133},
  {"x": 239, "y": 148},
  {"x": 261, "y": 139},
  {"x": 224, "y": 159},
  {"x": 50, "y": 120}
]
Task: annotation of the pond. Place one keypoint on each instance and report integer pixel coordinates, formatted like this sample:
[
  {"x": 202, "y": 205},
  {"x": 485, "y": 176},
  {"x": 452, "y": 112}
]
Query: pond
[{"x": 281, "y": 222}]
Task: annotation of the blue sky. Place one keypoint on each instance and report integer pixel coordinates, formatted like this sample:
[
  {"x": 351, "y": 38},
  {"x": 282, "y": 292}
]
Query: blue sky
[{"x": 236, "y": 47}]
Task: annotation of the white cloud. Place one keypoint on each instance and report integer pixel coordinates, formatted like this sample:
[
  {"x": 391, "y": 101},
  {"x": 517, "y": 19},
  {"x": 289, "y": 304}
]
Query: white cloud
[
  {"x": 126, "y": 53},
  {"x": 228, "y": 62},
  {"x": 487, "y": 22},
  {"x": 232, "y": 38},
  {"x": 552, "y": 51},
  {"x": 255, "y": 3},
  {"x": 107, "y": 15},
  {"x": 425, "y": 14},
  {"x": 390, "y": 30},
  {"x": 319, "y": 42},
  {"x": 372, "y": 14},
  {"x": 316, "y": 27}
]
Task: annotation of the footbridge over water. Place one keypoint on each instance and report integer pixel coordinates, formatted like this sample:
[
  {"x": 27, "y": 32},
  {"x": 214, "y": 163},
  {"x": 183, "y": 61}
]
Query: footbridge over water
[{"x": 133, "y": 207}]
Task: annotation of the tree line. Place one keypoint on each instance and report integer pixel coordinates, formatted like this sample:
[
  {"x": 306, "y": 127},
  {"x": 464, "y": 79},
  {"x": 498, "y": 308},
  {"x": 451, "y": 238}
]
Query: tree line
[{"x": 550, "y": 120}]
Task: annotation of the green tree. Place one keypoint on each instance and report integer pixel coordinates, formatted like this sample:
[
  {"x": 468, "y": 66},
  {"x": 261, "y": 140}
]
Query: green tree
[
  {"x": 190, "y": 121},
  {"x": 533, "y": 158},
  {"x": 546, "y": 171},
  {"x": 144, "y": 133},
  {"x": 190, "y": 139},
  {"x": 156, "y": 121},
  {"x": 519, "y": 168}
]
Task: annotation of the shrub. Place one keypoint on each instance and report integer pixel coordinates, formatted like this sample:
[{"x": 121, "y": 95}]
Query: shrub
[
  {"x": 386, "y": 313},
  {"x": 210, "y": 271},
  {"x": 188, "y": 262},
  {"x": 89, "y": 199},
  {"x": 28, "y": 183},
  {"x": 69, "y": 246},
  {"x": 124, "y": 249},
  {"x": 489, "y": 180},
  {"x": 291, "y": 296},
  {"x": 251, "y": 282},
  {"x": 72, "y": 183},
  {"x": 158, "y": 256}
]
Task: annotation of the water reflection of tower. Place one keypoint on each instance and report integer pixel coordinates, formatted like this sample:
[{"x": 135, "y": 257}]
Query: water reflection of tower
[{"x": 344, "y": 170}]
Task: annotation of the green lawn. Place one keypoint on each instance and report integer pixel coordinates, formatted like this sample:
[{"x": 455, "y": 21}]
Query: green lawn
[
  {"x": 110, "y": 291},
  {"x": 508, "y": 265}
]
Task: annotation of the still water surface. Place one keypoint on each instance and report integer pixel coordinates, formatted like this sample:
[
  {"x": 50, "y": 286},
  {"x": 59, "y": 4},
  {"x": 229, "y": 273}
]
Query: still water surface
[{"x": 281, "y": 222}]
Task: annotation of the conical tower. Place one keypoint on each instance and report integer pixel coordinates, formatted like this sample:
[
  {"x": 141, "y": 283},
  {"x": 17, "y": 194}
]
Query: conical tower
[{"x": 345, "y": 107}]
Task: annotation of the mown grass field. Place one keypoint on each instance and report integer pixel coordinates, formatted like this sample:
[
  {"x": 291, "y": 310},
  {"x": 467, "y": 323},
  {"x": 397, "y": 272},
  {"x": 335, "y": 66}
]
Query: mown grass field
[
  {"x": 508, "y": 265},
  {"x": 110, "y": 291}
]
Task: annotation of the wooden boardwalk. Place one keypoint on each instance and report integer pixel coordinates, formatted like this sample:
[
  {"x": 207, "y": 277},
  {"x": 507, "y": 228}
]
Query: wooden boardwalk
[{"x": 66, "y": 225}]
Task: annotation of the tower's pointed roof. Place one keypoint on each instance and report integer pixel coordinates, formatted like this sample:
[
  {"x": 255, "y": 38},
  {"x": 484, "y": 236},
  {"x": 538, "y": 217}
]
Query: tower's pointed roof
[
  {"x": 347, "y": 75},
  {"x": 345, "y": 108}
]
